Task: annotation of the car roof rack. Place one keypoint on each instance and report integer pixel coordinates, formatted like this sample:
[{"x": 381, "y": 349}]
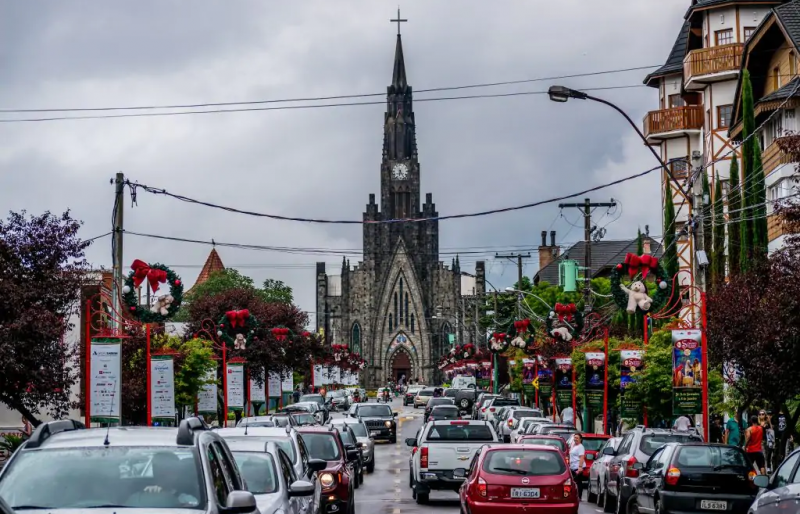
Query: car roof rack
[
  {"x": 187, "y": 428},
  {"x": 44, "y": 431}
]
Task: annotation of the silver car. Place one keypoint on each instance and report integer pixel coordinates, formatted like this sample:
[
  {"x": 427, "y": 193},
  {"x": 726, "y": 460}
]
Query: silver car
[
  {"x": 270, "y": 476},
  {"x": 66, "y": 467},
  {"x": 365, "y": 442}
]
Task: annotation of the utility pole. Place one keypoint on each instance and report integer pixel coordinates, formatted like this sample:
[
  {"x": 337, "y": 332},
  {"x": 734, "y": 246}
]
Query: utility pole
[
  {"x": 119, "y": 190},
  {"x": 699, "y": 220},
  {"x": 586, "y": 210},
  {"x": 519, "y": 258}
]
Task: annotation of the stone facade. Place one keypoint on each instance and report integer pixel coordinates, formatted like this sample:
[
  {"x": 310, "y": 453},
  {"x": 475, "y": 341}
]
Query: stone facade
[{"x": 400, "y": 299}]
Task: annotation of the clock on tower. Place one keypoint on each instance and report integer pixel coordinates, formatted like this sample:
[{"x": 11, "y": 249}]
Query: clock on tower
[{"x": 400, "y": 171}]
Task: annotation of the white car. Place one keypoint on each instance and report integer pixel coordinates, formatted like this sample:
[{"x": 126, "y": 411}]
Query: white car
[{"x": 522, "y": 425}]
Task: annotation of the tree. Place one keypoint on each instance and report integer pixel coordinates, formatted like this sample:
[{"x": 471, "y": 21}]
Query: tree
[
  {"x": 670, "y": 248},
  {"x": 277, "y": 291},
  {"x": 42, "y": 268},
  {"x": 707, "y": 216},
  {"x": 718, "y": 245},
  {"x": 748, "y": 183},
  {"x": 734, "y": 215},
  {"x": 758, "y": 210},
  {"x": 639, "y": 242}
]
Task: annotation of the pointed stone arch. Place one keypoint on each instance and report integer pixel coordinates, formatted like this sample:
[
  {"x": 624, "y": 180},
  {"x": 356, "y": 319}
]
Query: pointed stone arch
[{"x": 402, "y": 358}]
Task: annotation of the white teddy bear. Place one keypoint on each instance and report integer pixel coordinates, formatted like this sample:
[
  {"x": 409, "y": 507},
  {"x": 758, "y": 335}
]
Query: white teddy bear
[
  {"x": 518, "y": 342},
  {"x": 637, "y": 296},
  {"x": 239, "y": 343},
  {"x": 161, "y": 306},
  {"x": 561, "y": 332}
]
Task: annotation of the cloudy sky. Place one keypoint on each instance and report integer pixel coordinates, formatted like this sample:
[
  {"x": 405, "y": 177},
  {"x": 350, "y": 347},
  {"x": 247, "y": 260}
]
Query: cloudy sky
[{"x": 475, "y": 154}]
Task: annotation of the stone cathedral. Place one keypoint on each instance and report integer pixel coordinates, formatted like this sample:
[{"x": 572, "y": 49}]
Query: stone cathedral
[{"x": 400, "y": 308}]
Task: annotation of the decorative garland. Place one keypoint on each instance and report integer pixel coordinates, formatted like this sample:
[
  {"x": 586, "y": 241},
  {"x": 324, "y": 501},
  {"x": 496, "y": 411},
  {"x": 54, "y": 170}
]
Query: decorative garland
[
  {"x": 236, "y": 328},
  {"x": 635, "y": 298},
  {"x": 467, "y": 351},
  {"x": 498, "y": 342},
  {"x": 520, "y": 334},
  {"x": 570, "y": 322},
  {"x": 166, "y": 305},
  {"x": 340, "y": 352}
]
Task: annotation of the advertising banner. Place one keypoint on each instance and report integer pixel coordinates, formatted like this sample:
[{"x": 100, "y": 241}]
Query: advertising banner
[
  {"x": 207, "y": 397},
  {"x": 287, "y": 381},
  {"x": 595, "y": 379},
  {"x": 317, "y": 375},
  {"x": 630, "y": 363},
  {"x": 257, "y": 392},
  {"x": 687, "y": 372},
  {"x": 235, "y": 386},
  {"x": 336, "y": 376},
  {"x": 528, "y": 377},
  {"x": 564, "y": 383},
  {"x": 484, "y": 374},
  {"x": 162, "y": 387},
  {"x": 105, "y": 384},
  {"x": 274, "y": 385},
  {"x": 545, "y": 376}
]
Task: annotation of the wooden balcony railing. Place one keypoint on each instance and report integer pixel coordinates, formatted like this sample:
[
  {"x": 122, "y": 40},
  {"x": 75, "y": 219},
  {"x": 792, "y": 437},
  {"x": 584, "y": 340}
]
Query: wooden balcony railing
[
  {"x": 774, "y": 227},
  {"x": 715, "y": 59},
  {"x": 773, "y": 156},
  {"x": 689, "y": 117}
]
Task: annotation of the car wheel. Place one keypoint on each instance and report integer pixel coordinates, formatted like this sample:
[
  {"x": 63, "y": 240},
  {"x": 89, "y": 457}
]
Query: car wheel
[
  {"x": 633, "y": 506},
  {"x": 393, "y": 440},
  {"x": 464, "y": 403},
  {"x": 422, "y": 499},
  {"x": 601, "y": 497},
  {"x": 590, "y": 496},
  {"x": 411, "y": 478},
  {"x": 608, "y": 501},
  {"x": 622, "y": 503},
  {"x": 371, "y": 466}
]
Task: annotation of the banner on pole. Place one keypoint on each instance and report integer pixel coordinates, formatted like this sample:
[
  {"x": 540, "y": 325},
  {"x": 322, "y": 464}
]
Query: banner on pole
[
  {"x": 162, "y": 387},
  {"x": 595, "y": 379},
  {"x": 687, "y": 372},
  {"x": 317, "y": 375},
  {"x": 235, "y": 386},
  {"x": 336, "y": 376},
  {"x": 564, "y": 383},
  {"x": 528, "y": 377},
  {"x": 105, "y": 384},
  {"x": 630, "y": 363},
  {"x": 207, "y": 397},
  {"x": 274, "y": 385},
  {"x": 485, "y": 374},
  {"x": 545, "y": 377},
  {"x": 287, "y": 381},
  {"x": 257, "y": 393}
]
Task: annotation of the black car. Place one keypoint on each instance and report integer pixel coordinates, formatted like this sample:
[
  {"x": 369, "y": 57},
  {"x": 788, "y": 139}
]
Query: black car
[
  {"x": 351, "y": 443},
  {"x": 463, "y": 398},
  {"x": 779, "y": 493},
  {"x": 695, "y": 477},
  {"x": 380, "y": 420},
  {"x": 433, "y": 402},
  {"x": 319, "y": 400},
  {"x": 444, "y": 412}
]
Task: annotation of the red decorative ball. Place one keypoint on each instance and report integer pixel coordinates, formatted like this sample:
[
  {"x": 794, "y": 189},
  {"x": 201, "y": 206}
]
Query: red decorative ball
[
  {"x": 619, "y": 266},
  {"x": 133, "y": 308},
  {"x": 221, "y": 325},
  {"x": 177, "y": 282}
]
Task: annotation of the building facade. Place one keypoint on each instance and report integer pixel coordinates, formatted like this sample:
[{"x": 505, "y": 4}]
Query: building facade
[{"x": 400, "y": 307}]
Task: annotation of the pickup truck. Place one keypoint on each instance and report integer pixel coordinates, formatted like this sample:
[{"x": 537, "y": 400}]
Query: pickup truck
[{"x": 441, "y": 447}]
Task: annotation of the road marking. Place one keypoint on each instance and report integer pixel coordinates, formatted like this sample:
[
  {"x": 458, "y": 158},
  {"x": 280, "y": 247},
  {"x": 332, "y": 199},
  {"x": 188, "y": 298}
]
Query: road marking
[{"x": 395, "y": 511}]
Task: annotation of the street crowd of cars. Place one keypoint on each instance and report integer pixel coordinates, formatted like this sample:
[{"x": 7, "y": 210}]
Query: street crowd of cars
[
  {"x": 498, "y": 454},
  {"x": 300, "y": 460}
]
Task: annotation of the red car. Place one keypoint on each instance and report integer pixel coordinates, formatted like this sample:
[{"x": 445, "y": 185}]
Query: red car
[
  {"x": 592, "y": 444},
  {"x": 518, "y": 477},
  {"x": 337, "y": 479}
]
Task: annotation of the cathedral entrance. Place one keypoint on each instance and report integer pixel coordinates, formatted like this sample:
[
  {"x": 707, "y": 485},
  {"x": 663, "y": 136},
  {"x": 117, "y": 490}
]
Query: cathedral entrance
[{"x": 400, "y": 366}]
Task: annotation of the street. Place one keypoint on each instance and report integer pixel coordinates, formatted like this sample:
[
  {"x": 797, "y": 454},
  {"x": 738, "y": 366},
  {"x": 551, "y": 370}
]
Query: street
[{"x": 386, "y": 491}]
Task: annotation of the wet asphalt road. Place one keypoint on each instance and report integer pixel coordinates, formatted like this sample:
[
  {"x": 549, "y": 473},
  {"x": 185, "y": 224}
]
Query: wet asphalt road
[{"x": 386, "y": 491}]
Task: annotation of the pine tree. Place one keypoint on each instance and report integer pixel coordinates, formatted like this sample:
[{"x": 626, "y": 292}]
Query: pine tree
[
  {"x": 718, "y": 245},
  {"x": 748, "y": 150},
  {"x": 670, "y": 249},
  {"x": 639, "y": 243},
  {"x": 734, "y": 214},
  {"x": 706, "y": 219},
  {"x": 758, "y": 212}
]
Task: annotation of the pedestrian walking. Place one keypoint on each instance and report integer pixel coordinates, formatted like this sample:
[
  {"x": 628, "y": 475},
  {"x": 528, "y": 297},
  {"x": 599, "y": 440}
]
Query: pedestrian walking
[
  {"x": 577, "y": 461},
  {"x": 568, "y": 416},
  {"x": 753, "y": 441},
  {"x": 765, "y": 420},
  {"x": 296, "y": 394},
  {"x": 715, "y": 430},
  {"x": 733, "y": 434},
  {"x": 682, "y": 423}
]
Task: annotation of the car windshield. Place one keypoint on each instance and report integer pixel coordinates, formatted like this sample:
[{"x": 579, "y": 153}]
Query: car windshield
[
  {"x": 593, "y": 443},
  {"x": 445, "y": 412},
  {"x": 425, "y": 392},
  {"x": 440, "y": 401},
  {"x": 358, "y": 429},
  {"x": 524, "y": 462},
  {"x": 246, "y": 423},
  {"x": 519, "y": 414},
  {"x": 710, "y": 456},
  {"x": 258, "y": 470},
  {"x": 284, "y": 443},
  {"x": 116, "y": 476},
  {"x": 556, "y": 443},
  {"x": 322, "y": 446},
  {"x": 456, "y": 431},
  {"x": 504, "y": 402},
  {"x": 375, "y": 410},
  {"x": 305, "y": 419},
  {"x": 652, "y": 442},
  {"x": 316, "y": 398},
  {"x": 451, "y": 393}
]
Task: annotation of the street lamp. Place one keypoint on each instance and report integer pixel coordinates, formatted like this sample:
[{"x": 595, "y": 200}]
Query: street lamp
[{"x": 562, "y": 94}]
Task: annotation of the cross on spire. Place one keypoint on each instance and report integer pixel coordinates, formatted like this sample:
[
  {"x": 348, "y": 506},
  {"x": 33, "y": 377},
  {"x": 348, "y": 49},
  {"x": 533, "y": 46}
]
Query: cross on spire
[{"x": 399, "y": 20}]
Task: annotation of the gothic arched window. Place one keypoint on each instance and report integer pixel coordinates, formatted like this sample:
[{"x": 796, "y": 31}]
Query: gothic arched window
[
  {"x": 406, "y": 307},
  {"x": 445, "y": 339},
  {"x": 403, "y": 314},
  {"x": 390, "y": 322},
  {"x": 412, "y": 322},
  {"x": 396, "y": 311},
  {"x": 355, "y": 338}
]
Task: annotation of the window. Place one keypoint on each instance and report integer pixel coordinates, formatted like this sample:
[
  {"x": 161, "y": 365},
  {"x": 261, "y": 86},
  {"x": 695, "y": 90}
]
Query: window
[
  {"x": 390, "y": 323},
  {"x": 287, "y": 470},
  {"x": 652, "y": 442},
  {"x": 748, "y": 31},
  {"x": 792, "y": 65},
  {"x": 221, "y": 487},
  {"x": 402, "y": 318},
  {"x": 776, "y": 78},
  {"x": 724, "y": 37},
  {"x": 676, "y": 101},
  {"x": 524, "y": 462},
  {"x": 322, "y": 445},
  {"x": 724, "y": 113},
  {"x": 355, "y": 338},
  {"x": 654, "y": 464},
  {"x": 396, "y": 311},
  {"x": 412, "y": 322},
  {"x": 775, "y": 129},
  {"x": 784, "y": 474},
  {"x": 258, "y": 469},
  {"x": 405, "y": 310}
]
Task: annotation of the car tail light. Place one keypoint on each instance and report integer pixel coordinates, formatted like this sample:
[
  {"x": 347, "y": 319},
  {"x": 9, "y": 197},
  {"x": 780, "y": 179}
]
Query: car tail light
[
  {"x": 491, "y": 410},
  {"x": 751, "y": 477},
  {"x": 629, "y": 471},
  {"x": 423, "y": 457},
  {"x": 414, "y": 450},
  {"x": 430, "y": 418},
  {"x": 510, "y": 422},
  {"x": 482, "y": 487},
  {"x": 459, "y": 422},
  {"x": 567, "y": 487},
  {"x": 673, "y": 475},
  {"x": 483, "y": 409}
]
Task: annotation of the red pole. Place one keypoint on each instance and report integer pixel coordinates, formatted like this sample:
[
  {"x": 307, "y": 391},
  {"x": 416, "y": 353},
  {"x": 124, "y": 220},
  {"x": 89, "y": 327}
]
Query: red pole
[
  {"x": 247, "y": 392},
  {"x": 311, "y": 380},
  {"x": 87, "y": 376},
  {"x": 646, "y": 340},
  {"x": 705, "y": 365},
  {"x": 225, "y": 383},
  {"x": 605, "y": 383},
  {"x": 149, "y": 385},
  {"x": 574, "y": 392},
  {"x": 535, "y": 377}
]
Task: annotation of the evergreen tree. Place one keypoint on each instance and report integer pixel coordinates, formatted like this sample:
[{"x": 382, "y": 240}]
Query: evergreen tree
[
  {"x": 707, "y": 215},
  {"x": 749, "y": 176},
  {"x": 639, "y": 243},
  {"x": 670, "y": 248},
  {"x": 734, "y": 214},
  {"x": 718, "y": 245},
  {"x": 758, "y": 211}
]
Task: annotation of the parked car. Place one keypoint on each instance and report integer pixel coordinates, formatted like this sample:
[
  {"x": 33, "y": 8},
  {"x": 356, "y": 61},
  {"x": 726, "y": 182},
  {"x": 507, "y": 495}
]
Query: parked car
[
  {"x": 518, "y": 478},
  {"x": 591, "y": 444},
  {"x": 365, "y": 443},
  {"x": 337, "y": 479},
  {"x": 480, "y": 404},
  {"x": 321, "y": 403},
  {"x": 338, "y": 400},
  {"x": 442, "y": 447},
  {"x": 696, "y": 477},
  {"x": 433, "y": 402},
  {"x": 422, "y": 397},
  {"x": 779, "y": 493},
  {"x": 444, "y": 412},
  {"x": 462, "y": 397},
  {"x": 598, "y": 472},
  {"x": 523, "y": 425},
  {"x": 510, "y": 418},
  {"x": 350, "y": 442},
  {"x": 380, "y": 420},
  {"x": 496, "y": 404},
  {"x": 411, "y": 392},
  {"x": 637, "y": 445},
  {"x": 313, "y": 408}
]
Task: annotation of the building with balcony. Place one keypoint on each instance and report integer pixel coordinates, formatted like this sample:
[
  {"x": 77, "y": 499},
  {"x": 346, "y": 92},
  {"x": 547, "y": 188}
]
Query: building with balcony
[{"x": 696, "y": 90}]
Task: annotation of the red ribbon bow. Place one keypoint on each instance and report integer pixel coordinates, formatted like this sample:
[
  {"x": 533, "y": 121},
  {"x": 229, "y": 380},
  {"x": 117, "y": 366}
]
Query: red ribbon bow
[
  {"x": 237, "y": 318},
  {"x": 565, "y": 310},
  {"x": 522, "y": 325},
  {"x": 280, "y": 333},
  {"x": 643, "y": 263},
  {"x": 142, "y": 271}
]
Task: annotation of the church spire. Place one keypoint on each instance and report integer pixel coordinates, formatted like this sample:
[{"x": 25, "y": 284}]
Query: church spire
[{"x": 399, "y": 74}]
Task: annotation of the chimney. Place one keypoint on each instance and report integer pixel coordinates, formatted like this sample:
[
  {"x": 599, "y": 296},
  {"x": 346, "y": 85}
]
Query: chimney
[
  {"x": 544, "y": 238},
  {"x": 646, "y": 245},
  {"x": 552, "y": 238},
  {"x": 548, "y": 254}
]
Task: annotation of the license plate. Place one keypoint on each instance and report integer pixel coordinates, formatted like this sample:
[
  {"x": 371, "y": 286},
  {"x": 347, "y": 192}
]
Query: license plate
[
  {"x": 713, "y": 505},
  {"x": 524, "y": 492},
  {"x": 374, "y": 433}
]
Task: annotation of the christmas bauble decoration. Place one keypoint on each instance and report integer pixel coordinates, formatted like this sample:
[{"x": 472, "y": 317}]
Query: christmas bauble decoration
[
  {"x": 662, "y": 284},
  {"x": 126, "y": 289}
]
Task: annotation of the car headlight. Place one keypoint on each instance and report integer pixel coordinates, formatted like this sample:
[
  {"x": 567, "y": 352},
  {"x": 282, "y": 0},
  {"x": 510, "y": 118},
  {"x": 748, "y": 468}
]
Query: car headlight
[
  {"x": 327, "y": 480},
  {"x": 388, "y": 424}
]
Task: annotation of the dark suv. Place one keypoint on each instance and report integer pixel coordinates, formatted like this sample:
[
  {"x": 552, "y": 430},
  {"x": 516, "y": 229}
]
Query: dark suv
[
  {"x": 435, "y": 402},
  {"x": 463, "y": 398},
  {"x": 636, "y": 446},
  {"x": 338, "y": 479},
  {"x": 380, "y": 420}
]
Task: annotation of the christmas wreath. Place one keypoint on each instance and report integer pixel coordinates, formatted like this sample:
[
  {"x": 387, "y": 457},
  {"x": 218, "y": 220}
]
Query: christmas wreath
[
  {"x": 340, "y": 352},
  {"x": 166, "y": 305},
  {"x": 467, "y": 351},
  {"x": 520, "y": 334},
  {"x": 634, "y": 299},
  {"x": 565, "y": 322},
  {"x": 236, "y": 328},
  {"x": 498, "y": 342}
]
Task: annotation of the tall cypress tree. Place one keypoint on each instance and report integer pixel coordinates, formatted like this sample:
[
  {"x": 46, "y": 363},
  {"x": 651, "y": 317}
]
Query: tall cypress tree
[
  {"x": 707, "y": 214},
  {"x": 718, "y": 245},
  {"x": 734, "y": 214},
  {"x": 670, "y": 258},
  {"x": 639, "y": 242},
  {"x": 758, "y": 210},
  {"x": 749, "y": 177}
]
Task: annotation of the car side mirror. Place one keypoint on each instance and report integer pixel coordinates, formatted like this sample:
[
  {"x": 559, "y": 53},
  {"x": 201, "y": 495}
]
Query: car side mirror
[
  {"x": 411, "y": 441},
  {"x": 459, "y": 473},
  {"x": 352, "y": 455},
  {"x": 394, "y": 414},
  {"x": 240, "y": 502},
  {"x": 638, "y": 466},
  {"x": 761, "y": 481},
  {"x": 609, "y": 451},
  {"x": 317, "y": 464},
  {"x": 301, "y": 488}
]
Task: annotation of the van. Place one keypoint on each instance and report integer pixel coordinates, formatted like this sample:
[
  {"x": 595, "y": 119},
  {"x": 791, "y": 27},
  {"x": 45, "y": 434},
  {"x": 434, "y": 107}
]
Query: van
[{"x": 463, "y": 382}]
